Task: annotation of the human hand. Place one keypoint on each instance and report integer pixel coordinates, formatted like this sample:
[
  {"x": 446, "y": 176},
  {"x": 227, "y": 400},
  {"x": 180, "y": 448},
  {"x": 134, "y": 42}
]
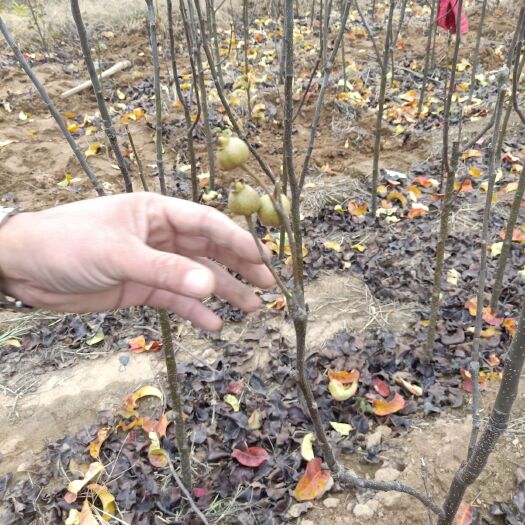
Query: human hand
[{"x": 128, "y": 250}]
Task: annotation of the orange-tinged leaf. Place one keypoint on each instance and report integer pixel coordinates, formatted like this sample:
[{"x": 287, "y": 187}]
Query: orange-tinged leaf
[
  {"x": 422, "y": 181},
  {"x": 107, "y": 499},
  {"x": 493, "y": 360},
  {"x": 466, "y": 186},
  {"x": 137, "y": 344},
  {"x": 518, "y": 235},
  {"x": 357, "y": 210},
  {"x": 314, "y": 483},
  {"x": 399, "y": 197},
  {"x": 490, "y": 317},
  {"x": 384, "y": 408},
  {"x": 131, "y": 404},
  {"x": 344, "y": 377},
  {"x": 278, "y": 304},
  {"x": 471, "y": 306},
  {"x": 464, "y": 514},
  {"x": 96, "y": 444},
  {"x": 510, "y": 326},
  {"x": 415, "y": 192},
  {"x": 416, "y": 212}
]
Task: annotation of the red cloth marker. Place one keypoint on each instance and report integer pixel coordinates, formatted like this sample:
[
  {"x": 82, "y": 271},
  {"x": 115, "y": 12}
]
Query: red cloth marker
[{"x": 448, "y": 15}]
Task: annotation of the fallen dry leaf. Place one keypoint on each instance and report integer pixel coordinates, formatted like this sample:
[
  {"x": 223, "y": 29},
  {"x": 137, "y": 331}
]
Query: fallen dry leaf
[
  {"x": 131, "y": 404},
  {"x": 107, "y": 499},
  {"x": 341, "y": 392},
  {"x": 385, "y": 408},
  {"x": 250, "y": 456},
  {"x": 307, "y": 449},
  {"x": 314, "y": 482}
]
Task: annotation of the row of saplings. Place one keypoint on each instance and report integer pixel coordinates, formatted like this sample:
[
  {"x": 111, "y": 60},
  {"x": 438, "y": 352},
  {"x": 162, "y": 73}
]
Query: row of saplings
[{"x": 243, "y": 199}]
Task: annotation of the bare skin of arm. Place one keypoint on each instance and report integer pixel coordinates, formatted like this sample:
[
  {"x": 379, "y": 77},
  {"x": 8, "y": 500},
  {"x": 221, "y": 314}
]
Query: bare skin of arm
[{"x": 128, "y": 250}]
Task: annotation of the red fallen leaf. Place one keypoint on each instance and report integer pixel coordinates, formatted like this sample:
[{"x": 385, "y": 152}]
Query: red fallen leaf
[
  {"x": 384, "y": 408},
  {"x": 259, "y": 37},
  {"x": 464, "y": 514},
  {"x": 510, "y": 325},
  {"x": 471, "y": 306},
  {"x": 490, "y": 317},
  {"x": 235, "y": 387},
  {"x": 314, "y": 482},
  {"x": 422, "y": 181},
  {"x": 250, "y": 456},
  {"x": 437, "y": 196},
  {"x": 199, "y": 492},
  {"x": 381, "y": 387},
  {"x": 344, "y": 378}
]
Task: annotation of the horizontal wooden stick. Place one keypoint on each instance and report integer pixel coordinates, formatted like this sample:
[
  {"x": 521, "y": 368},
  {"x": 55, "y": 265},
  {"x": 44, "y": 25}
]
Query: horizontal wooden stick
[{"x": 119, "y": 66}]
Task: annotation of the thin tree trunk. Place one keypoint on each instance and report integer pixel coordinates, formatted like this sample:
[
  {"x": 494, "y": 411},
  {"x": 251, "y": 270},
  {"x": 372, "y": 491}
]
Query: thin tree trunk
[
  {"x": 474, "y": 363},
  {"x": 426, "y": 69},
  {"x": 185, "y": 106},
  {"x": 104, "y": 113},
  {"x": 203, "y": 95},
  {"x": 450, "y": 172},
  {"x": 496, "y": 425},
  {"x": 52, "y": 109},
  {"x": 380, "y": 110},
  {"x": 246, "y": 46},
  {"x": 167, "y": 341},
  {"x": 475, "y": 61}
]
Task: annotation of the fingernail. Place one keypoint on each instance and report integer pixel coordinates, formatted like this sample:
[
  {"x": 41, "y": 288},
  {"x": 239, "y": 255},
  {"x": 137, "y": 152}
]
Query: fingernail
[{"x": 197, "y": 282}]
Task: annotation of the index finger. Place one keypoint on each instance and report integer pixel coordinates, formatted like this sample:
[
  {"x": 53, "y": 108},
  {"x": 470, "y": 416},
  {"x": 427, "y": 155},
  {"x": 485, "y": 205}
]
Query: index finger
[{"x": 189, "y": 218}]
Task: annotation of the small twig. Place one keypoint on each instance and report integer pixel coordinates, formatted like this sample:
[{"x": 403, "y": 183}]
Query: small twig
[
  {"x": 345, "y": 475},
  {"x": 187, "y": 495},
  {"x": 306, "y": 91},
  {"x": 137, "y": 159},
  {"x": 370, "y": 35},
  {"x": 266, "y": 260},
  {"x": 424, "y": 478}
]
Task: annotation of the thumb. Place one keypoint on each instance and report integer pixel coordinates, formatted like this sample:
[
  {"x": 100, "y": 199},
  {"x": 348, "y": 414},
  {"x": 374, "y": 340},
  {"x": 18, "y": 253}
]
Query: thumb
[{"x": 168, "y": 271}]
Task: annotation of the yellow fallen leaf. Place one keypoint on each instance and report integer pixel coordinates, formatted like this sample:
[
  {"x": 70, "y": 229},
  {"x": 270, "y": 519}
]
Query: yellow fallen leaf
[
  {"x": 90, "y": 130},
  {"x": 4, "y": 143},
  {"x": 474, "y": 172},
  {"x": 23, "y": 116},
  {"x": 233, "y": 402},
  {"x": 157, "y": 456},
  {"x": 342, "y": 392},
  {"x": 511, "y": 186},
  {"x": 452, "y": 276},
  {"x": 107, "y": 499},
  {"x": 65, "y": 183},
  {"x": 97, "y": 338},
  {"x": 93, "y": 149},
  {"x": 131, "y": 404},
  {"x": 471, "y": 153},
  {"x": 12, "y": 342},
  {"x": 307, "y": 450},
  {"x": 359, "y": 247},
  {"x": 341, "y": 428},
  {"x": 332, "y": 245},
  {"x": 77, "y": 485},
  {"x": 255, "y": 420},
  {"x": 121, "y": 95},
  {"x": 73, "y": 128},
  {"x": 495, "y": 249}
]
